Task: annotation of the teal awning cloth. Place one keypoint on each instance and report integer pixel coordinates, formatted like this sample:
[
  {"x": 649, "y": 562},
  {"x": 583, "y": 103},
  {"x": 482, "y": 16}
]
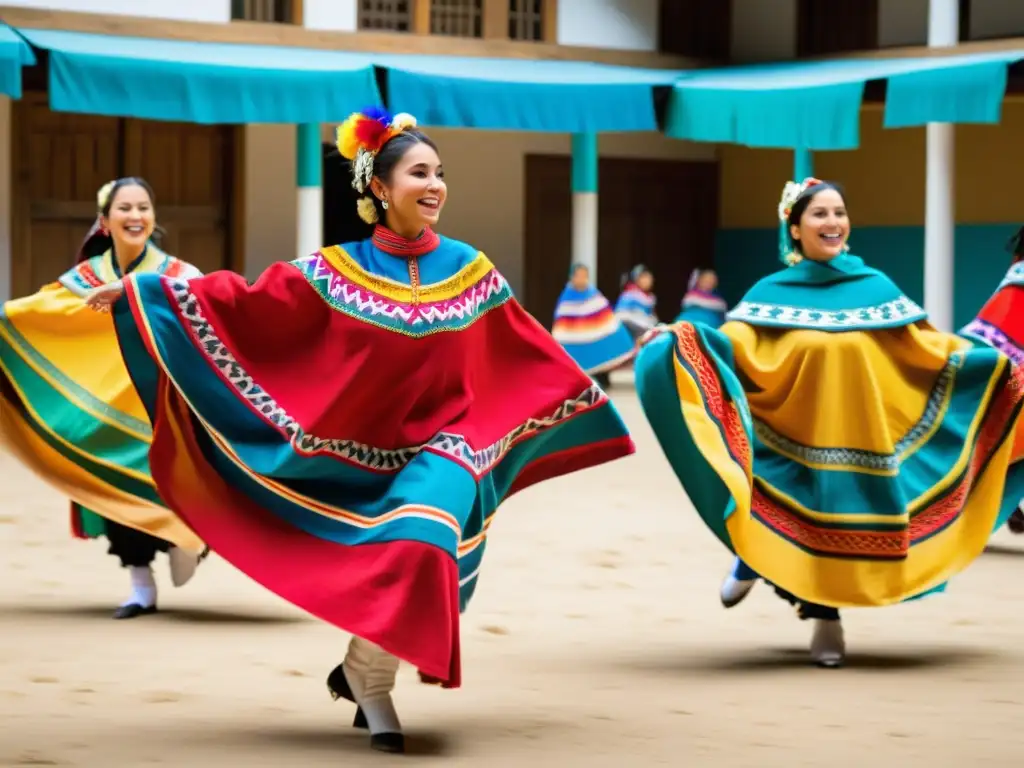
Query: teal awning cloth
[
  {"x": 524, "y": 94},
  {"x": 235, "y": 83},
  {"x": 15, "y": 53},
  {"x": 816, "y": 104},
  {"x": 202, "y": 82}
]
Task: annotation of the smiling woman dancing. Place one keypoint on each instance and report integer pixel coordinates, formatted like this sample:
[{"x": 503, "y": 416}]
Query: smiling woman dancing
[
  {"x": 344, "y": 430},
  {"x": 68, "y": 409},
  {"x": 829, "y": 436}
]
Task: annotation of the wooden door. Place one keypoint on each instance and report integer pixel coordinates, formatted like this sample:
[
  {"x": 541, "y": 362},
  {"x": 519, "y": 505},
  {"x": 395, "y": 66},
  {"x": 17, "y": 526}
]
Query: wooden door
[
  {"x": 660, "y": 213},
  {"x": 61, "y": 160},
  {"x": 548, "y": 237},
  {"x": 189, "y": 168}
]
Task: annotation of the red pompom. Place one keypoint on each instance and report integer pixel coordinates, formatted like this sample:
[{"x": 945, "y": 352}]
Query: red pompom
[{"x": 370, "y": 134}]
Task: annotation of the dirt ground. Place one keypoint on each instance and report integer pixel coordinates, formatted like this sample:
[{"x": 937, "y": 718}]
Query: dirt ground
[{"x": 595, "y": 639}]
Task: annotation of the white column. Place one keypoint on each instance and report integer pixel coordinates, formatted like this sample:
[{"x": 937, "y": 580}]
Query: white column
[
  {"x": 584, "y": 230},
  {"x": 309, "y": 175},
  {"x": 584, "y": 201},
  {"x": 940, "y": 213}
]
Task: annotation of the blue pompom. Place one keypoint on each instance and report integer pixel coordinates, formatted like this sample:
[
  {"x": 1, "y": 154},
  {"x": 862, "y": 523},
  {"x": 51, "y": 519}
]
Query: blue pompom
[{"x": 379, "y": 114}]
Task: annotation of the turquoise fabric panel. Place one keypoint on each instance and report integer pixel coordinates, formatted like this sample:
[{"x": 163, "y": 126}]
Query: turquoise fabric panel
[
  {"x": 203, "y": 82},
  {"x": 15, "y": 53},
  {"x": 769, "y": 105},
  {"x": 814, "y": 117},
  {"x": 968, "y": 94},
  {"x": 523, "y": 94},
  {"x": 743, "y": 256}
]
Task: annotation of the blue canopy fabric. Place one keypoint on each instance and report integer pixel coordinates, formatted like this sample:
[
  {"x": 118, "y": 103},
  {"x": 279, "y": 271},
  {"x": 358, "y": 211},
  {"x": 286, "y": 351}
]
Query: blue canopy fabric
[
  {"x": 15, "y": 53},
  {"x": 234, "y": 83},
  {"x": 816, "y": 104}
]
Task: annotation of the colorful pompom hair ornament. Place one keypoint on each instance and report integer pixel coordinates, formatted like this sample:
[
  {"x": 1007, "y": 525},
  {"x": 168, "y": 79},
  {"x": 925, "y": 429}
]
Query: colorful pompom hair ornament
[{"x": 363, "y": 134}]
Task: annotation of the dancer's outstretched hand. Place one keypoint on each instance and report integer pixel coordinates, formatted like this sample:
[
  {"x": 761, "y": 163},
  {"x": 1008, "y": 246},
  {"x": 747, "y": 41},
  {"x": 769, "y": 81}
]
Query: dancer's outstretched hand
[{"x": 104, "y": 297}]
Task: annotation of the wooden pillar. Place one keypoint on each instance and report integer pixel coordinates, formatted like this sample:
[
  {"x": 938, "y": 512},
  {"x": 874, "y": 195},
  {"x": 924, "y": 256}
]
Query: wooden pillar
[
  {"x": 549, "y": 21},
  {"x": 495, "y": 19},
  {"x": 421, "y": 17}
]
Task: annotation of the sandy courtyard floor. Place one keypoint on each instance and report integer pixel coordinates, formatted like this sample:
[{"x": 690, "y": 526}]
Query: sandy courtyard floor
[{"x": 595, "y": 639}]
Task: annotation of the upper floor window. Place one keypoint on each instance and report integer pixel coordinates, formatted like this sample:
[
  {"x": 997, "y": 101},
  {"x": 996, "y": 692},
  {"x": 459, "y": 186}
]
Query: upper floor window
[
  {"x": 526, "y": 20},
  {"x": 458, "y": 18},
  {"x": 695, "y": 28},
  {"x": 279, "y": 11},
  {"x": 386, "y": 15},
  {"x": 837, "y": 26}
]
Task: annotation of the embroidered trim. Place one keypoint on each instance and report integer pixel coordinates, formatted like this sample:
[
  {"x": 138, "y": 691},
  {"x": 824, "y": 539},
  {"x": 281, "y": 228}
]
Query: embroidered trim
[
  {"x": 861, "y": 459},
  {"x": 364, "y": 304},
  {"x": 337, "y": 259},
  {"x": 454, "y": 446},
  {"x": 987, "y": 333},
  {"x": 901, "y": 311},
  {"x": 84, "y": 278}
]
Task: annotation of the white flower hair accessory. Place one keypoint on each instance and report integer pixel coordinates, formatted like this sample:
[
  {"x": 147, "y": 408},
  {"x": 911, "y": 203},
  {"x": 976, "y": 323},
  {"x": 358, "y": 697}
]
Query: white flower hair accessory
[
  {"x": 792, "y": 192},
  {"x": 103, "y": 195},
  {"x": 362, "y": 170}
]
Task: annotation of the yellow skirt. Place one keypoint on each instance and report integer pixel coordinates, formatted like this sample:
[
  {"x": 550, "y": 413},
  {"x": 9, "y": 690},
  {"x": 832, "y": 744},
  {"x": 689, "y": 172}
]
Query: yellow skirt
[
  {"x": 69, "y": 411},
  {"x": 851, "y": 469}
]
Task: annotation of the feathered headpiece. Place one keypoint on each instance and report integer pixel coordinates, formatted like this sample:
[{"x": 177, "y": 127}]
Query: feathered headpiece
[
  {"x": 792, "y": 192},
  {"x": 359, "y": 139}
]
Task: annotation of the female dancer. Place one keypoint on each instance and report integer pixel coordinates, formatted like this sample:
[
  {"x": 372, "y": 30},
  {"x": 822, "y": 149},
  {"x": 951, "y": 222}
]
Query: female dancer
[
  {"x": 69, "y": 410},
  {"x": 344, "y": 429},
  {"x": 635, "y": 307},
  {"x": 702, "y": 304},
  {"x": 856, "y": 456},
  {"x": 588, "y": 328},
  {"x": 1000, "y": 324}
]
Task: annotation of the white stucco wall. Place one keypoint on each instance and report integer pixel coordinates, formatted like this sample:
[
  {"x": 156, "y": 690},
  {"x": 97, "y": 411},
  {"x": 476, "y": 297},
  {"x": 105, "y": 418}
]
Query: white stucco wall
[
  {"x": 180, "y": 10},
  {"x": 622, "y": 24},
  {"x": 336, "y": 15}
]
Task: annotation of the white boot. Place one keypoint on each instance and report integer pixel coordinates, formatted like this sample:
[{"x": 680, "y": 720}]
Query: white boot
[
  {"x": 828, "y": 647},
  {"x": 734, "y": 590},
  {"x": 143, "y": 597},
  {"x": 183, "y": 565},
  {"x": 370, "y": 673}
]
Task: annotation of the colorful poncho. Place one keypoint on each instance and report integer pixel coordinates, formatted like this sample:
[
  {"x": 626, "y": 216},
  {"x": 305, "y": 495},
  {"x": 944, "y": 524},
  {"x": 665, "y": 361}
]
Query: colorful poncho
[
  {"x": 588, "y": 329},
  {"x": 344, "y": 429},
  {"x": 705, "y": 307},
  {"x": 68, "y": 409},
  {"x": 843, "y": 448},
  {"x": 635, "y": 308},
  {"x": 1000, "y": 323}
]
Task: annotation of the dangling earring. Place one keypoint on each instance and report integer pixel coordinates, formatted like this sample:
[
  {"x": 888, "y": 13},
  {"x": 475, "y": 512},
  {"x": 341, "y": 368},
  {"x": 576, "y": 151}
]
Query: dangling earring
[
  {"x": 384, "y": 204},
  {"x": 846, "y": 247}
]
